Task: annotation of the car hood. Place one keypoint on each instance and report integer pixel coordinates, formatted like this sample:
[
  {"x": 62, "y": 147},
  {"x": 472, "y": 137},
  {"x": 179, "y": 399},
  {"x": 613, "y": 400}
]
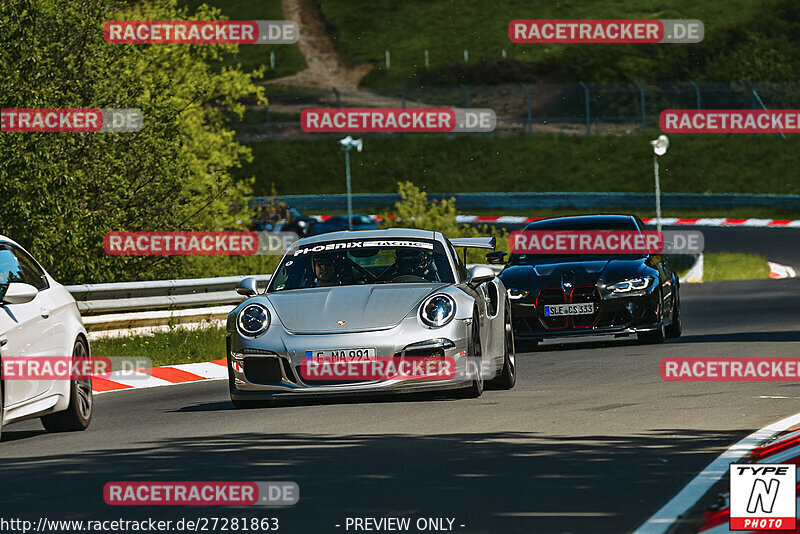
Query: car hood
[
  {"x": 578, "y": 273},
  {"x": 369, "y": 307}
]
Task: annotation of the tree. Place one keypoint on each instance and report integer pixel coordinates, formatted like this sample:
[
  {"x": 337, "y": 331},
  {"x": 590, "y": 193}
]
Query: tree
[{"x": 60, "y": 193}]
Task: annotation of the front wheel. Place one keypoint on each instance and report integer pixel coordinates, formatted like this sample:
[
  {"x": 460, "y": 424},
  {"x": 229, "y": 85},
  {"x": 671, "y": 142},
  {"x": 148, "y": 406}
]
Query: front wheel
[
  {"x": 474, "y": 359},
  {"x": 78, "y": 414},
  {"x": 508, "y": 376},
  {"x": 674, "y": 330}
]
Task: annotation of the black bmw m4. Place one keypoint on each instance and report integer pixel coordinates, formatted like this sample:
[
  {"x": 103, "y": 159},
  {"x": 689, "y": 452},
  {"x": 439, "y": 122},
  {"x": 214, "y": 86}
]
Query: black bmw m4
[{"x": 554, "y": 296}]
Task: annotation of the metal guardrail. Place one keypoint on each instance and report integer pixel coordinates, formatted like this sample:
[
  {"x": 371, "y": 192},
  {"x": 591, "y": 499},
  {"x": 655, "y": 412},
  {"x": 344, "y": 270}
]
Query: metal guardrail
[
  {"x": 519, "y": 201},
  {"x": 159, "y": 294}
]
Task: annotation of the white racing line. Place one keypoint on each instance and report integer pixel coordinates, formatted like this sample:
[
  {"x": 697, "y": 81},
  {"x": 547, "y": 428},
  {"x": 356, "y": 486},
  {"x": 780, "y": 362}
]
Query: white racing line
[{"x": 699, "y": 486}]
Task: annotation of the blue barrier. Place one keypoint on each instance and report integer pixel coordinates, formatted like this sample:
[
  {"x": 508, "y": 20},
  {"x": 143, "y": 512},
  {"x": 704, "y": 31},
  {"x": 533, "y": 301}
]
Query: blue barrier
[{"x": 523, "y": 201}]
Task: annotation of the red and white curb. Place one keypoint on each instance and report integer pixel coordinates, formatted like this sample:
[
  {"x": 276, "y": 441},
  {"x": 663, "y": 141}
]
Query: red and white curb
[
  {"x": 160, "y": 376},
  {"x": 784, "y": 450},
  {"x": 695, "y": 274},
  {"x": 760, "y": 446},
  {"x": 776, "y": 270},
  {"x": 665, "y": 221}
]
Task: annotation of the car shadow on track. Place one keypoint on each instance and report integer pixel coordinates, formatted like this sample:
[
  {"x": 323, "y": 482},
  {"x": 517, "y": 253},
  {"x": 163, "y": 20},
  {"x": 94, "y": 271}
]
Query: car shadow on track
[
  {"x": 551, "y": 346},
  {"x": 488, "y": 481},
  {"x": 743, "y": 337},
  {"x": 14, "y": 435},
  {"x": 289, "y": 402}
]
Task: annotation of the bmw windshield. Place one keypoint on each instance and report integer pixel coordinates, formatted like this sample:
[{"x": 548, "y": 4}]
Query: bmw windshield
[
  {"x": 359, "y": 262},
  {"x": 623, "y": 225}
]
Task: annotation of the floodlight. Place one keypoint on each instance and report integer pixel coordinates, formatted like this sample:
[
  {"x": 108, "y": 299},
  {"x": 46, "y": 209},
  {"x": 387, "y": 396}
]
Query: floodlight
[{"x": 660, "y": 145}]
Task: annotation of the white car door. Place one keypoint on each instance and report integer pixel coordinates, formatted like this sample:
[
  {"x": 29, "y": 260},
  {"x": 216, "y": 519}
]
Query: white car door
[{"x": 25, "y": 328}]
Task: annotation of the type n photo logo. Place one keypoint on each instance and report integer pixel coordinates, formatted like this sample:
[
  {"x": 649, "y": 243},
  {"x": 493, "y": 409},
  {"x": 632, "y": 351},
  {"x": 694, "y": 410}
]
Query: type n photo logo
[{"x": 763, "y": 497}]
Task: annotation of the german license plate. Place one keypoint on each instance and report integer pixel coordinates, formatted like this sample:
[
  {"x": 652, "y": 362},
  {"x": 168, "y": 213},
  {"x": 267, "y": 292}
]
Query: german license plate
[
  {"x": 560, "y": 310},
  {"x": 342, "y": 355}
]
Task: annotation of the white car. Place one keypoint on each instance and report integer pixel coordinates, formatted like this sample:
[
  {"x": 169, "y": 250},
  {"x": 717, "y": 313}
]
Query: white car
[{"x": 39, "y": 318}]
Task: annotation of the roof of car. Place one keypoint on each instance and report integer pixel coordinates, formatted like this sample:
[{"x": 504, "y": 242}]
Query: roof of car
[
  {"x": 8, "y": 240},
  {"x": 599, "y": 220},
  {"x": 371, "y": 234}
]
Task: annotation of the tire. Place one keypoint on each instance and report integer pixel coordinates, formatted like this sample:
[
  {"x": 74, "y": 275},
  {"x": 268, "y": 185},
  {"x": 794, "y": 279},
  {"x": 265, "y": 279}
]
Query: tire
[
  {"x": 508, "y": 377},
  {"x": 78, "y": 414},
  {"x": 475, "y": 389},
  {"x": 674, "y": 330}
]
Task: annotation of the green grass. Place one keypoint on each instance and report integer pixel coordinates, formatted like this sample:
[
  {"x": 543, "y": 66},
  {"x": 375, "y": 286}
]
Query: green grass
[
  {"x": 694, "y": 164},
  {"x": 180, "y": 345},
  {"x": 288, "y": 59},
  {"x": 718, "y": 266},
  {"x": 409, "y": 28}
]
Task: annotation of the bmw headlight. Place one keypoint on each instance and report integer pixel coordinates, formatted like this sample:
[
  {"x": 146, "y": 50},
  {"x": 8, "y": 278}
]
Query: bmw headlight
[
  {"x": 437, "y": 310},
  {"x": 632, "y": 284},
  {"x": 253, "y": 320}
]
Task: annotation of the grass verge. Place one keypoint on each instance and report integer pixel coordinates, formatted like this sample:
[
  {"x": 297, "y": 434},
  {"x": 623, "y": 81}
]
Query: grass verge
[
  {"x": 719, "y": 266},
  {"x": 179, "y": 345}
]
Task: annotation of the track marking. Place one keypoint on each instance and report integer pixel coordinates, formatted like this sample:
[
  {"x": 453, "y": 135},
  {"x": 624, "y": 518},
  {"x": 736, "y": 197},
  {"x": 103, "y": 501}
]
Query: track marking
[{"x": 699, "y": 486}]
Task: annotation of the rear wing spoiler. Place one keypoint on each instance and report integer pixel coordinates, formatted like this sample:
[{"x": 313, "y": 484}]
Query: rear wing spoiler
[{"x": 474, "y": 242}]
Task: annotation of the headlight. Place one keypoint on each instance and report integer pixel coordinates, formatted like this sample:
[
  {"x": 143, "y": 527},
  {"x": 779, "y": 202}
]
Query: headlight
[
  {"x": 253, "y": 320},
  {"x": 515, "y": 294},
  {"x": 437, "y": 310},
  {"x": 633, "y": 284}
]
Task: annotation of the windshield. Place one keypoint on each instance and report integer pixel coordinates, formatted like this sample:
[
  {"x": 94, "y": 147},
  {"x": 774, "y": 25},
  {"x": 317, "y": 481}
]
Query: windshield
[
  {"x": 9, "y": 270},
  {"x": 624, "y": 225},
  {"x": 358, "y": 262}
]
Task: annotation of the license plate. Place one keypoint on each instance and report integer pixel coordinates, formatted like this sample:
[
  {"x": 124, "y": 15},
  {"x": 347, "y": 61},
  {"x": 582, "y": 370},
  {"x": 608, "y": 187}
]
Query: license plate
[
  {"x": 558, "y": 310},
  {"x": 342, "y": 355}
]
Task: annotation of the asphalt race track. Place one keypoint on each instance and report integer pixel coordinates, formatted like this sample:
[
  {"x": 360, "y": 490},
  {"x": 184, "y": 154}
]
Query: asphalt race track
[{"x": 590, "y": 440}]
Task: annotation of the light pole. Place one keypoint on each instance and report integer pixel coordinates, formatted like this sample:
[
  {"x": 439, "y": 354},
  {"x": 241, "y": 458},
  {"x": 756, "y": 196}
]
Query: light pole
[
  {"x": 347, "y": 144},
  {"x": 660, "y": 147}
]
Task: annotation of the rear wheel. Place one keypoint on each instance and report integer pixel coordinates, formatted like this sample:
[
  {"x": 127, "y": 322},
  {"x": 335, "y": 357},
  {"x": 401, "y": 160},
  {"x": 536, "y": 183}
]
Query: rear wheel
[
  {"x": 674, "y": 330},
  {"x": 78, "y": 414},
  {"x": 508, "y": 377}
]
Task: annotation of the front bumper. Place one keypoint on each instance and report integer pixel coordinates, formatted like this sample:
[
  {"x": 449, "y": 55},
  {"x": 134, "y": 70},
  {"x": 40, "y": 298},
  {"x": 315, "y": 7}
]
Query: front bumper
[
  {"x": 269, "y": 366},
  {"x": 616, "y": 314}
]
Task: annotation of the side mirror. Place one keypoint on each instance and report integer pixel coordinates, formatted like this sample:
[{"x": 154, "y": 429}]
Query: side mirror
[
  {"x": 496, "y": 258},
  {"x": 19, "y": 293},
  {"x": 480, "y": 274},
  {"x": 247, "y": 287}
]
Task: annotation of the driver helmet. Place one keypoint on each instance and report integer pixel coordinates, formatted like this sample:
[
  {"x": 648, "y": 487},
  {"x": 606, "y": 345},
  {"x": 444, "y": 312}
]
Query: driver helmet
[{"x": 414, "y": 262}]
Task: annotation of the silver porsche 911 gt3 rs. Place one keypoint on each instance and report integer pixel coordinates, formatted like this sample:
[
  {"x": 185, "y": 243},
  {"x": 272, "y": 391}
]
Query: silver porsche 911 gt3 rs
[{"x": 371, "y": 308}]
